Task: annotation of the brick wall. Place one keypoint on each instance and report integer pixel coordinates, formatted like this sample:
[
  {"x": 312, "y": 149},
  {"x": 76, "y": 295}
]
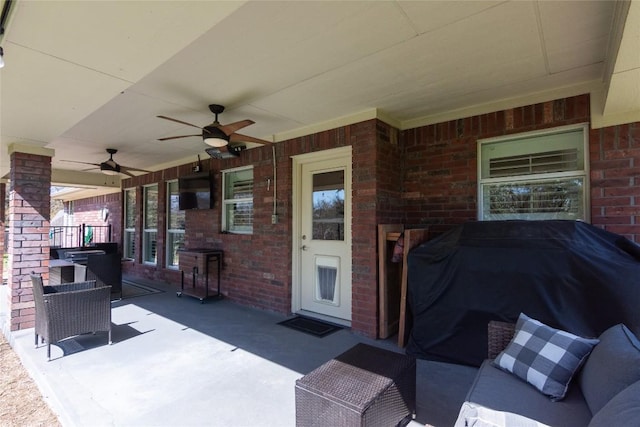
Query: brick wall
[
  {"x": 615, "y": 179},
  {"x": 440, "y": 160},
  {"x": 440, "y": 165},
  {"x": 89, "y": 212},
  {"x": 137, "y": 266},
  {"x": 257, "y": 268},
  {"x": 29, "y": 206},
  {"x": 423, "y": 176},
  {"x": 389, "y": 175}
]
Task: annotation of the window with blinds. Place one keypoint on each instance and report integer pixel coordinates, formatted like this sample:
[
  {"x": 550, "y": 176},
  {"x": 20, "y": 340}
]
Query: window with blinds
[
  {"x": 129, "y": 239},
  {"x": 237, "y": 212},
  {"x": 150, "y": 224},
  {"x": 175, "y": 225},
  {"x": 534, "y": 176}
]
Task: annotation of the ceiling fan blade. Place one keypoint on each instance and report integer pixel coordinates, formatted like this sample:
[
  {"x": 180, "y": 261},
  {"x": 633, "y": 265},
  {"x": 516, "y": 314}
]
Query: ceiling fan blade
[
  {"x": 176, "y": 137},
  {"x": 236, "y": 137},
  {"x": 178, "y": 121},
  {"x": 125, "y": 169},
  {"x": 232, "y": 127},
  {"x": 82, "y": 163}
]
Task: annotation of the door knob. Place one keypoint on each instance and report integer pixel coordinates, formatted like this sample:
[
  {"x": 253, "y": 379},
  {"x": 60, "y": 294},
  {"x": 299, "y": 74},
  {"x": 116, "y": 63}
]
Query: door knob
[{"x": 304, "y": 247}]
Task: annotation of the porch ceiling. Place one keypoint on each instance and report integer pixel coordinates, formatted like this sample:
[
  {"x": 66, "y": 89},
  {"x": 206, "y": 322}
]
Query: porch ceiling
[{"x": 84, "y": 76}]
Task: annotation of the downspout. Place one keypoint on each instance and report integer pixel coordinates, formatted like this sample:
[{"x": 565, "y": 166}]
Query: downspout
[{"x": 274, "y": 214}]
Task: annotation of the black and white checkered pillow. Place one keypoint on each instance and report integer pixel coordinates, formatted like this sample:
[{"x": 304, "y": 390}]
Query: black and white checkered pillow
[{"x": 545, "y": 357}]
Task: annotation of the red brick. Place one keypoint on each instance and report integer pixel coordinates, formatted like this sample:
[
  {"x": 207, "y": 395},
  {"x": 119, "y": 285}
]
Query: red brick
[{"x": 421, "y": 176}]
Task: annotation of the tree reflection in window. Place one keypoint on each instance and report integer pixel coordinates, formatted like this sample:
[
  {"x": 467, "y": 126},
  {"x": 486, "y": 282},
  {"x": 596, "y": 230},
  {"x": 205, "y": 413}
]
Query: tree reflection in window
[
  {"x": 328, "y": 205},
  {"x": 549, "y": 199}
]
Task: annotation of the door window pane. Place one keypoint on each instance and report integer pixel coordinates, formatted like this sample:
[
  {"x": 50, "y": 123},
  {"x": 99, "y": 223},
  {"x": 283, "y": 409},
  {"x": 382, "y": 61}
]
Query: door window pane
[{"x": 328, "y": 205}]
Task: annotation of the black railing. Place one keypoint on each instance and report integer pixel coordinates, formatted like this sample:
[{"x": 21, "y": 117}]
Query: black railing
[{"x": 70, "y": 236}]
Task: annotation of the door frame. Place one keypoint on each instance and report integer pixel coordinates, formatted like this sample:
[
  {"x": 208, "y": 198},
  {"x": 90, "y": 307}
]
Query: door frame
[{"x": 296, "y": 224}]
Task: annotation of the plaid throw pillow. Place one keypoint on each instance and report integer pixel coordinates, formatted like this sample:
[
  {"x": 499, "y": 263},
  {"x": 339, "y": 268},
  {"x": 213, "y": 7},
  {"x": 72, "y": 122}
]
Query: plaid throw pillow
[{"x": 545, "y": 357}]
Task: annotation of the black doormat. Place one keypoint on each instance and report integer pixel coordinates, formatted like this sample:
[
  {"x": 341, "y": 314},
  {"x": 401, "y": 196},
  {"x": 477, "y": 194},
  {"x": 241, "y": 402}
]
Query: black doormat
[
  {"x": 131, "y": 289},
  {"x": 310, "y": 326}
]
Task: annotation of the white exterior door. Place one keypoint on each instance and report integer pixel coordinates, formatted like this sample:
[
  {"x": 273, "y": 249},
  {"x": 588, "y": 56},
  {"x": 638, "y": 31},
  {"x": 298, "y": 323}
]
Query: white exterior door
[{"x": 322, "y": 241}]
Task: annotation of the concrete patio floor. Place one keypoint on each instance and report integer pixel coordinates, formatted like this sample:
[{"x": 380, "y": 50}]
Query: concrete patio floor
[{"x": 177, "y": 362}]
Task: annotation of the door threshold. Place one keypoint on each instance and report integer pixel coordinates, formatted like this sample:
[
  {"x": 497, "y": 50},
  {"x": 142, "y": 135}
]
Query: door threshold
[{"x": 325, "y": 318}]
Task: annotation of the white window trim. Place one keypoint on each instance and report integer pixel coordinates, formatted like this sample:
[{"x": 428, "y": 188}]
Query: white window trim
[
  {"x": 170, "y": 230},
  {"x": 226, "y": 202},
  {"x": 584, "y": 174},
  {"x": 125, "y": 244},
  {"x": 145, "y": 230}
]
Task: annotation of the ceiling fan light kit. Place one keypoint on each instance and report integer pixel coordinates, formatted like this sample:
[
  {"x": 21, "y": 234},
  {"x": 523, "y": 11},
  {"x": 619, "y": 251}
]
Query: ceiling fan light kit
[
  {"x": 216, "y": 142},
  {"x": 214, "y": 137},
  {"x": 110, "y": 167}
]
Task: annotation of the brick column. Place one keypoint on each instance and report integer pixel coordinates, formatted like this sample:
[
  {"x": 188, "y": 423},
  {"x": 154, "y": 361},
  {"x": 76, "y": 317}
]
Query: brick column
[{"x": 29, "y": 212}]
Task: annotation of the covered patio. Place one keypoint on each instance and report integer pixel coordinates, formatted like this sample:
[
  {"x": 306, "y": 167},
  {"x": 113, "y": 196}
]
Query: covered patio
[
  {"x": 396, "y": 97},
  {"x": 412, "y": 125},
  {"x": 175, "y": 361}
]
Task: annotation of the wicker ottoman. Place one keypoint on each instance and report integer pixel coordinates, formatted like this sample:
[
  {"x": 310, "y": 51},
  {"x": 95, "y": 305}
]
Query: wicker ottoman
[{"x": 364, "y": 386}]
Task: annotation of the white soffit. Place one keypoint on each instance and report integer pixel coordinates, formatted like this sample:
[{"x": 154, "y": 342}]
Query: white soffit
[
  {"x": 619, "y": 102},
  {"x": 128, "y": 39}
]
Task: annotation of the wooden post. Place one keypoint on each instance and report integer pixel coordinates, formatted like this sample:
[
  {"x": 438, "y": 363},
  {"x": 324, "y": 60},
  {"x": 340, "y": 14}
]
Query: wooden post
[
  {"x": 412, "y": 238},
  {"x": 388, "y": 289}
]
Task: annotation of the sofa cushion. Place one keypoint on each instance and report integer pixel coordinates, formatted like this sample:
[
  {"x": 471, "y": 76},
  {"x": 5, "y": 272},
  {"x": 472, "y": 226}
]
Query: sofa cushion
[
  {"x": 502, "y": 391},
  {"x": 622, "y": 410},
  {"x": 474, "y": 415},
  {"x": 613, "y": 365},
  {"x": 441, "y": 389},
  {"x": 545, "y": 357}
]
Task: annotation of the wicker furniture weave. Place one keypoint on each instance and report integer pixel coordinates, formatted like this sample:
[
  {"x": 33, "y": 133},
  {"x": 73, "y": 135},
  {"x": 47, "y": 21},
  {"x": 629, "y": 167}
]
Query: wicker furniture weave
[
  {"x": 70, "y": 309},
  {"x": 364, "y": 386},
  {"x": 499, "y": 336}
]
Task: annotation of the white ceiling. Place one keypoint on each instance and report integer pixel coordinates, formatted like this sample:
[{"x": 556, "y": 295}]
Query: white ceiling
[{"x": 84, "y": 76}]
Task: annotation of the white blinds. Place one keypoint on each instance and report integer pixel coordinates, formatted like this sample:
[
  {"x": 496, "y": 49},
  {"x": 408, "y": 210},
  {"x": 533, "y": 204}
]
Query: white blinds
[{"x": 534, "y": 163}]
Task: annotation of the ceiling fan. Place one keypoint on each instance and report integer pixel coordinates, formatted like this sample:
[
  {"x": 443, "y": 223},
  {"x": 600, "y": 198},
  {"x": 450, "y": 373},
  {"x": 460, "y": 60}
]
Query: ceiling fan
[
  {"x": 110, "y": 167},
  {"x": 216, "y": 134}
]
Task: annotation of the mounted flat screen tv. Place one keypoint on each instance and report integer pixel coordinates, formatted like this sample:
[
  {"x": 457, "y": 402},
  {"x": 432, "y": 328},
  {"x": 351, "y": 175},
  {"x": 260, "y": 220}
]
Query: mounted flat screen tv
[{"x": 195, "y": 191}]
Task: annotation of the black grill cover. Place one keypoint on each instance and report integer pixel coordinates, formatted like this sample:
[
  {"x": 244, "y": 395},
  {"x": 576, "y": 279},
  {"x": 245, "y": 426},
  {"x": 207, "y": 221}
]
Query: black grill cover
[{"x": 569, "y": 275}]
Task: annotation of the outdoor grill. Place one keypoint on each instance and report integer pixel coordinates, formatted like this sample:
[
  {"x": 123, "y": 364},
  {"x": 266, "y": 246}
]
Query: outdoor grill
[{"x": 80, "y": 257}]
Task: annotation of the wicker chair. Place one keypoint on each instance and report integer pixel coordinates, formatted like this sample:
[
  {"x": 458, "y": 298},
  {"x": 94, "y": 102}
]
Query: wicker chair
[
  {"x": 70, "y": 309},
  {"x": 500, "y": 335}
]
